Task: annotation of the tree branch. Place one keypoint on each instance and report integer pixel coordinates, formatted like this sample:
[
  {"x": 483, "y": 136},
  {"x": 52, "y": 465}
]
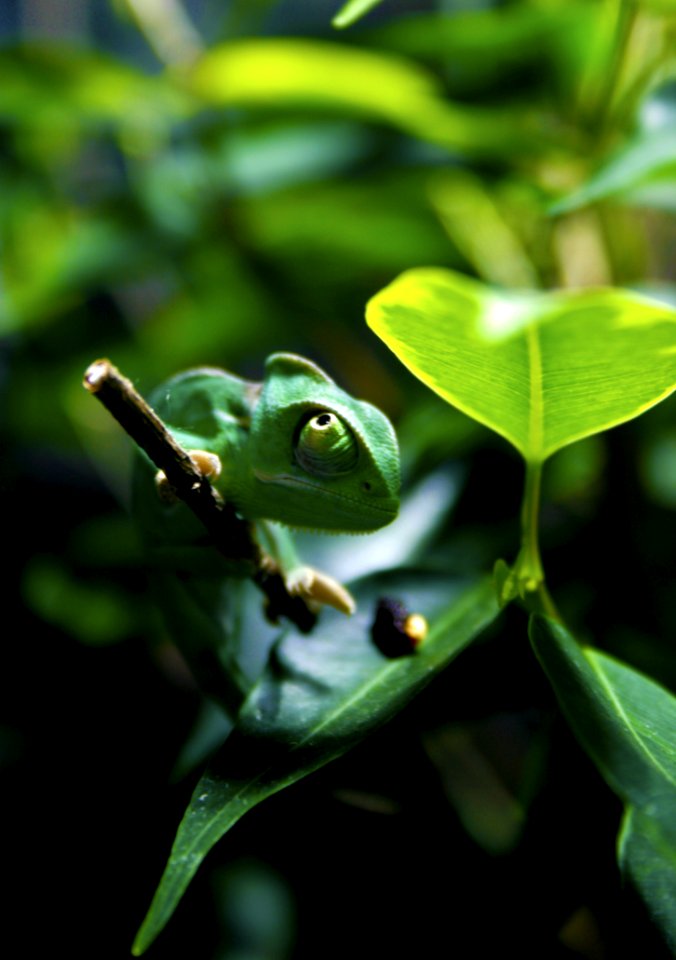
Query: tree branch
[{"x": 232, "y": 536}]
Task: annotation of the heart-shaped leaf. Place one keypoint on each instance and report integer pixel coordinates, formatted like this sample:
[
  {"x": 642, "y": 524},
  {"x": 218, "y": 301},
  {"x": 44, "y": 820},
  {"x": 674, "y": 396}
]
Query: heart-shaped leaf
[
  {"x": 542, "y": 370},
  {"x": 626, "y": 722},
  {"x": 320, "y": 695}
]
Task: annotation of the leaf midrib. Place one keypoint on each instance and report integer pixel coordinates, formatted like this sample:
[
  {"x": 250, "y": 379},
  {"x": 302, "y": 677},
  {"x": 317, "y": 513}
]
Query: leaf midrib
[
  {"x": 640, "y": 741},
  {"x": 536, "y": 411}
]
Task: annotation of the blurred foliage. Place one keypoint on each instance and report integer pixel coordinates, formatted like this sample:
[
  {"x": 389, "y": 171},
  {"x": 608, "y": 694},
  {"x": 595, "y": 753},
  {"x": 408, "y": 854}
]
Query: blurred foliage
[{"x": 171, "y": 197}]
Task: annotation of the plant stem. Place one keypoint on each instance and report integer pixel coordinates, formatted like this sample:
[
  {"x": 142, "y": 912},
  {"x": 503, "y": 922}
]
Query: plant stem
[
  {"x": 529, "y": 571},
  {"x": 529, "y": 563},
  {"x": 168, "y": 29}
]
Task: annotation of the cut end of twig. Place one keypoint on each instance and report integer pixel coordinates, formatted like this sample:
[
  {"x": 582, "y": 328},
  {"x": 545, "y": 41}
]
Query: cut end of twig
[{"x": 96, "y": 375}]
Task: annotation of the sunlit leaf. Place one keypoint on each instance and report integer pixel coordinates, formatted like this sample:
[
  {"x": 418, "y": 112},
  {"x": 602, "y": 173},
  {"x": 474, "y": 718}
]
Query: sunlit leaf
[
  {"x": 320, "y": 695},
  {"x": 626, "y": 722},
  {"x": 542, "y": 370},
  {"x": 352, "y": 11},
  {"x": 295, "y": 74}
]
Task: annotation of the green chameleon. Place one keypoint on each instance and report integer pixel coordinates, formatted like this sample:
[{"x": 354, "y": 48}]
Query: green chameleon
[{"x": 293, "y": 450}]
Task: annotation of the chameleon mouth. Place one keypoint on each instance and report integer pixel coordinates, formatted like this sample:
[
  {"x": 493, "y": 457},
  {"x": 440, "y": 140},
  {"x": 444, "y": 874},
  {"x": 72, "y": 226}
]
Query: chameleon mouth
[{"x": 387, "y": 506}]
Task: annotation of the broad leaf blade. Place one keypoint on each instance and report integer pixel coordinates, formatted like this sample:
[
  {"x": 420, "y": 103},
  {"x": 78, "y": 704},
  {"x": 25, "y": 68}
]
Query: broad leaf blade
[
  {"x": 320, "y": 695},
  {"x": 626, "y": 722},
  {"x": 542, "y": 370}
]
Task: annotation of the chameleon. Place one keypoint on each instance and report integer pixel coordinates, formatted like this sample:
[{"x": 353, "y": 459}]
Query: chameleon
[{"x": 292, "y": 451}]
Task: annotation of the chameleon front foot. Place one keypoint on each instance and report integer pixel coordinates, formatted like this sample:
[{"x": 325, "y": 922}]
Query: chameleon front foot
[
  {"x": 318, "y": 589},
  {"x": 208, "y": 464}
]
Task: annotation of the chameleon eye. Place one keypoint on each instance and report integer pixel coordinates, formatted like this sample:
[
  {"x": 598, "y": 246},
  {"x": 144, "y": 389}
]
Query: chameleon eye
[{"x": 326, "y": 447}]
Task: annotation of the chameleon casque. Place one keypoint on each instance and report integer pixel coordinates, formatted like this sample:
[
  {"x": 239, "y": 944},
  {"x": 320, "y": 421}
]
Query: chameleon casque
[{"x": 294, "y": 449}]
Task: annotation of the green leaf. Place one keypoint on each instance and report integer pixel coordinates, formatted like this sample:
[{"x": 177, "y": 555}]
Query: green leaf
[
  {"x": 542, "y": 370},
  {"x": 61, "y": 87},
  {"x": 648, "y": 859},
  {"x": 644, "y": 169},
  {"x": 320, "y": 695},
  {"x": 285, "y": 74},
  {"x": 626, "y": 723},
  {"x": 352, "y": 11}
]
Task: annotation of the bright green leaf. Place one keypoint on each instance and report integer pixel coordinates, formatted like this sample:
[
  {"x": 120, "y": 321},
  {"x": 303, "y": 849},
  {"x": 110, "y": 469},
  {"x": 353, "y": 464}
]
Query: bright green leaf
[
  {"x": 626, "y": 722},
  {"x": 298, "y": 74},
  {"x": 542, "y": 370},
  {"x": 352, "y": 11},
  {"x": 320, "y": 695}
]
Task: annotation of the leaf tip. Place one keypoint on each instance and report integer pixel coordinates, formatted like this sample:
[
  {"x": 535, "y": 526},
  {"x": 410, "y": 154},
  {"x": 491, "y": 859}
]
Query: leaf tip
[{"x": 142, "y": 940}]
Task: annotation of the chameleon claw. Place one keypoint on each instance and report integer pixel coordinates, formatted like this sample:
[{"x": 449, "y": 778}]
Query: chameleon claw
[
  {"x": 208, "y": 464},
  {"x": 318, "y": 588}
]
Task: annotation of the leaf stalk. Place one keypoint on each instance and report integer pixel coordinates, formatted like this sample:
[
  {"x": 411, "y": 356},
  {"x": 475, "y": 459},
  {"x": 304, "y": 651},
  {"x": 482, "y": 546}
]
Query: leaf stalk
[{"x": 528, "y": 569}]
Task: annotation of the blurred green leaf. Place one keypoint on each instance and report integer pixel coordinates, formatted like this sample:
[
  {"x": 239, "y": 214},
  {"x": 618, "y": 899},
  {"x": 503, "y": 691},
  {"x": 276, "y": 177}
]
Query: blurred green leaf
[
  {"x": 67, "y": 88},
  {"x": 352, "y": 11},
  {"x": 320, "y": 695},
  {"x": 59, "y": 256},
  {"x": 94, "y": 612},
  {"x": 313, "y": 75},
  {"x": 658, "y": 468},
  {"x": 258, "y": 911},
  {"x": 626, "y": 723},
  {"x": 542, "y": 370},
  {"x": 643, "y": 170},
  {"x": 368, "y": 231},
  {"x": 478, "y": 228},
  {"x": 479, "y": 46}
]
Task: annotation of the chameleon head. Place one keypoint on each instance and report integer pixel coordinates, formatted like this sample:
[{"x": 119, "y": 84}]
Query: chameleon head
[{"x": 318, "y": 457}]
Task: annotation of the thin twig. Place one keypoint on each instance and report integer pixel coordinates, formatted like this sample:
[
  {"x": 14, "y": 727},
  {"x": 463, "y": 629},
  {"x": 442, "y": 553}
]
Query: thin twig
[{"x": 232, "y": 536}]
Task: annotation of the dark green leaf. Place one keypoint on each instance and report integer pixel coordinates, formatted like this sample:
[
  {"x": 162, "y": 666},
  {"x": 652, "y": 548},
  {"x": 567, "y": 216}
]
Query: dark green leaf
[
  {"x": 626, "y": 722},
  {"x": 648, "y": 859},
  {"x": 320, "y": 695}
]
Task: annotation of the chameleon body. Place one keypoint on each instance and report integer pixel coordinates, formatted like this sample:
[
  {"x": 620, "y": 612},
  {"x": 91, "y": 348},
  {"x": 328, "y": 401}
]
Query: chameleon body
[{"x": 294, "y": 449}]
